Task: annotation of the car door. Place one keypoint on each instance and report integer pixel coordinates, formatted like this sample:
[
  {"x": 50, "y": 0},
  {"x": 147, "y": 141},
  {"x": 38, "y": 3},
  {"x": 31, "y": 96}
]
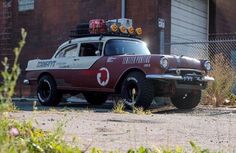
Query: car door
[
  {"x": 66, "y": 66},
  {"x": 89, "y": 62},
  {"x": 65, "y": 57}
]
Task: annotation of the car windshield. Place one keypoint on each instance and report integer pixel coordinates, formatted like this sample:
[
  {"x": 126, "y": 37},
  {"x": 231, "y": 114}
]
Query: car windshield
[{"x": 129, "y": 47}]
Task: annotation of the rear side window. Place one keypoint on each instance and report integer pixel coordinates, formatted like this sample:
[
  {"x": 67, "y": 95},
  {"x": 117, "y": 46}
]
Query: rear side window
[
  {"x": 69, "y": 51},
  {"x": 89, "y": 49}
]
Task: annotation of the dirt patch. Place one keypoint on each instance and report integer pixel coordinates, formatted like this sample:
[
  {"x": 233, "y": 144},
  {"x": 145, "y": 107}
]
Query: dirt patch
[{"x": 97, "y": 126}]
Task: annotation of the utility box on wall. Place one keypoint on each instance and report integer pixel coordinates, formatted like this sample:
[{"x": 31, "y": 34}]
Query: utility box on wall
[{"x": 25, "y": 5}]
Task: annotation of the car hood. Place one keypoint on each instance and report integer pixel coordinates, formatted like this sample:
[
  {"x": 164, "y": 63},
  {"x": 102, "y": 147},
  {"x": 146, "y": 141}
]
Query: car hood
[{"x": 181, "y": 62}]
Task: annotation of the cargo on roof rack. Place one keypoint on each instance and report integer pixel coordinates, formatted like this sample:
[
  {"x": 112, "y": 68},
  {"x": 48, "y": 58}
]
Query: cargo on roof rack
[
  {"x": 100, "y": 27},
  {"x": 75, "y": 35}
]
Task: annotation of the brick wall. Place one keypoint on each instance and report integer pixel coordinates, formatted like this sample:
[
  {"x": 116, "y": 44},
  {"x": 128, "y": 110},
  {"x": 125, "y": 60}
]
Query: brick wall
[
  {"x": 164, "y": 10},
  {"x": 49, "y": 24},
  {"x": 1, "y": 31},
  {"x": 222, "y": 16},
  {"x": 5, "y": 31},
  {"x": 147, "y": 14}
]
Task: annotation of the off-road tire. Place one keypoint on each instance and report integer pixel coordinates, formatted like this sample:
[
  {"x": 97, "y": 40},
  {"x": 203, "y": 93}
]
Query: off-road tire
[
  {"x": 143, "y": 87},
  {"x": 47, "y": 92},
  {"x": 95, "y": 98},
  {"x": 187, "y": 100}
]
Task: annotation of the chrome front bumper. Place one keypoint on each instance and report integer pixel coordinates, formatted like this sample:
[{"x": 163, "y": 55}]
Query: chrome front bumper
[{"x": 175, "y": 77}]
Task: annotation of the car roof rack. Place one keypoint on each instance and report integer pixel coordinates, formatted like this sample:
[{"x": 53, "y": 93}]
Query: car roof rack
[{"x": 76, "y": 34}]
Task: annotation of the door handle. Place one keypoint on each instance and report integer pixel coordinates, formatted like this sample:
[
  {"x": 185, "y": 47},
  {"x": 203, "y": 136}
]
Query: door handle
[{"x": 76, "y": 59}]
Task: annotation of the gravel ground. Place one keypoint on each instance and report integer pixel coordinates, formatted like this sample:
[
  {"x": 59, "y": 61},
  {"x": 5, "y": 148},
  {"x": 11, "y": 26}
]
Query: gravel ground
[{"x": 209, "y": 127}]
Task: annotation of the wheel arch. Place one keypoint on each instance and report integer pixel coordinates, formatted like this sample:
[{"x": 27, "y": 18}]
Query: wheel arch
[
  {"x": 122, "y": 77},
  {"x": 45, "y": 74}
]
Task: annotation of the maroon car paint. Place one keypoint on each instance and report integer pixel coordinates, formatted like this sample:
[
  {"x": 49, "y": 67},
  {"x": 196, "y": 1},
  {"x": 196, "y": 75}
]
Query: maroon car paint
[{"x": 117, "y": 66}]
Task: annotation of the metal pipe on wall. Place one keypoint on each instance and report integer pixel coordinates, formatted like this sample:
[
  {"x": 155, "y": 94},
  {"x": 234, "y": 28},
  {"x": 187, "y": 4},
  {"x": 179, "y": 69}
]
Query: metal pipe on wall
[{"x": 123, "y": 8}]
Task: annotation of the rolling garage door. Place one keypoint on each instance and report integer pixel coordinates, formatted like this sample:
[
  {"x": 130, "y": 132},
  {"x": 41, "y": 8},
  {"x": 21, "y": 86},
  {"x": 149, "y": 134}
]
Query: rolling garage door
[{"x": 189, "y": 23}]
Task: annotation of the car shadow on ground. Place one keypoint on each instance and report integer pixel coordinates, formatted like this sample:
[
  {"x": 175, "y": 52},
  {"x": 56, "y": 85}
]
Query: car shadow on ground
[
  {"x": 198, "y": 111},
  {"x": 108, "y": 107},
  {"x": 29, "y": 106},
  {"x": 170, "y": 110},
  {"x": 82, "y": 106}
]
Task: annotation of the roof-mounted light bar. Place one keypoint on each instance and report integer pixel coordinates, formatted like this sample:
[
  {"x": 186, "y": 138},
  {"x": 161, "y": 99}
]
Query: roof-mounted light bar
[{"x": 111, "y": 27}]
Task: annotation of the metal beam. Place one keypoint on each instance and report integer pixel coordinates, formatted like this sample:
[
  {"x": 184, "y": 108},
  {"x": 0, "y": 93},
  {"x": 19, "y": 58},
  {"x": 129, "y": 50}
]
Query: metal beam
[{"x": 123, "y": 8}]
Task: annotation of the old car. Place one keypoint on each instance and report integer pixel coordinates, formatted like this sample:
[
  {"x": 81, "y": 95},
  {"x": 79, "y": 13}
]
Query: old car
[{"x": 100, "y": 64}]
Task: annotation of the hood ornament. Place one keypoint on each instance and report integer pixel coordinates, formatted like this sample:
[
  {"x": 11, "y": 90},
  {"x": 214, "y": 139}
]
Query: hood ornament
[{"x": 178, "y": 60}]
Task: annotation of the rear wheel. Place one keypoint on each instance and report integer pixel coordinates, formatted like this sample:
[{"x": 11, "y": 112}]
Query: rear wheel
[
  {"x": 187, "y": 100},
  {"x": 47, "y": 92},
  {"x": 137, "y": 91},
  {"x": 95, "y": 98}
]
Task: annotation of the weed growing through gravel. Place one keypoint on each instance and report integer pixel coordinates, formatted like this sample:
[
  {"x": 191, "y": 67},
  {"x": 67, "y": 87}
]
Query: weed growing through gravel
[
  {"x": 119, "y": 107},
  {"x": 140, "y": 111}
]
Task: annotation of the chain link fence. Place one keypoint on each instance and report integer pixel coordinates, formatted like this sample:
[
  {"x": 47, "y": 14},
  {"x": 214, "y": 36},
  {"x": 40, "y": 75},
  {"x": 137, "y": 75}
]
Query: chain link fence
[
  {"x": 224, "y": 47},
  {"x": 206, "y": 49}
]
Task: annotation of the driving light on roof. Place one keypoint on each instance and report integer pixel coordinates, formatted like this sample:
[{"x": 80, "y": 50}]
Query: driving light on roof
[
  {"x": 123, "y": 29},
  {"x": 114, "y": 28},
  {"x": 139, "y": 31},
  {"x": 131, "y": 30},
  {"x": 117, "y": 27}
]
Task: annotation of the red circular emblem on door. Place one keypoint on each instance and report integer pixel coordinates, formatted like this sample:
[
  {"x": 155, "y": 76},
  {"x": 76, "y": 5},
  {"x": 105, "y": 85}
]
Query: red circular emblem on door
[{"x": 103, "y": 76}]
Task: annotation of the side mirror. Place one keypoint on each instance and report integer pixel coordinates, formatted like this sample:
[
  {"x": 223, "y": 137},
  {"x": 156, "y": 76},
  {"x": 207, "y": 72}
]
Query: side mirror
[{"x": 98, "y": 53}]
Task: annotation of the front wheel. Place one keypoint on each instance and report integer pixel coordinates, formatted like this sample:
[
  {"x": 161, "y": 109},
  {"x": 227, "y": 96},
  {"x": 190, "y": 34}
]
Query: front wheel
[
  {"x": 47, "y": 92},
  {"x": 95, "y": 98},
  {"x": 137, "y": 91},
  {"x": 187, "y": 100}
]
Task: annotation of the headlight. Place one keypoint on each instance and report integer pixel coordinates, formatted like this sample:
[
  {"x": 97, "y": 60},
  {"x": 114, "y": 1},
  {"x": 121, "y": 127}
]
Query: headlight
[
  {"x": 164, "y": 63},
  {"x": 207, "y": 65}
]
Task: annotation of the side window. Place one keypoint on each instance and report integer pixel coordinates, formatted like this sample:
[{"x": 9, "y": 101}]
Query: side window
[
  {"x": 89, "y": 49},
  {"x": 69, "y": 51},
  {"x": 121, "y": 47}
]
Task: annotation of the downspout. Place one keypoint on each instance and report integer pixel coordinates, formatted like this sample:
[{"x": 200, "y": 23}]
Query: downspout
[{"x": 123, "y": 8}]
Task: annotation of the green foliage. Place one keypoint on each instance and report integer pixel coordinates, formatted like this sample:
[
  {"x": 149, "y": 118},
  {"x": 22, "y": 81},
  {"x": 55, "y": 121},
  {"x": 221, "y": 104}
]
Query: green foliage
[
  {"x": 10, "y": 76},
  {"x": 23, "y": 137},
  {"x": 195, "y": 149},
  {"x": 96, "y": 150}
]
